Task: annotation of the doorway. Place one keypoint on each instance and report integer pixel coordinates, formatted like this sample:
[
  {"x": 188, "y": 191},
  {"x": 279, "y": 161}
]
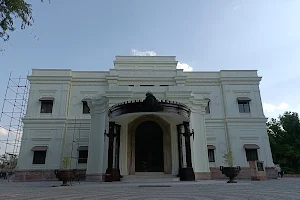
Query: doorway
[{"x": 149, "y": 154}]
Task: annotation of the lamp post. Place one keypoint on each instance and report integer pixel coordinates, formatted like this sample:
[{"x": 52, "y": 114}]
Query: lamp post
[
  {"x": 186, "y": 172},
  {"x": 186, "y": 131},
  {"x": 113, "y": 172}
]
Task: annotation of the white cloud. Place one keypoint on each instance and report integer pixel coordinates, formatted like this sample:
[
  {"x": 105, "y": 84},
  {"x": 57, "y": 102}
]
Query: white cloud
[
  {"x": 272, "y": 108},
  {"x": 184, "y": 66},
  {"x": 273, "y": 111},
  {"x": 136, "y": 52},
  {"x": 3, "y": 131},
  {"x": 283, "y": 106},
  {"x": 13, "y": 132}
]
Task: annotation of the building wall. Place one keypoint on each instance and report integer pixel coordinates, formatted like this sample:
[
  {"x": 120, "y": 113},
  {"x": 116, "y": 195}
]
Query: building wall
[{"x": 60, "y": 129}]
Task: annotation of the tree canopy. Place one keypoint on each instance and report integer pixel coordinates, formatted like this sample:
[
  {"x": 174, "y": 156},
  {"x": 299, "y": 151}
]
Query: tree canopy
[
  {"x": 284, "y": 135},
  {"x": 10, "y": 10}
]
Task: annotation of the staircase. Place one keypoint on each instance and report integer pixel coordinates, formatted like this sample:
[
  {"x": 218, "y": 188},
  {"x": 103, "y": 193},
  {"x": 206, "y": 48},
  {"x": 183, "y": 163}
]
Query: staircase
[{"x": 149, "y": 177}]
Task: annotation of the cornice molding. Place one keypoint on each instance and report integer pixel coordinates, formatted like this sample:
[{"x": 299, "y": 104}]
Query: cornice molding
[
  {"x": 237, "y": 119},
  {"x": 49, "y": 78},
  {"x": 147, "y": 78},
  {"x": 41, "y": 138},
  {"x": 89, "y": 79},
  {"x": 90, "y": 83},
  {"x": 44, "y": 119},
  {"x": 138, "y": 77},
  {"x": 240, "y": 80},
  {"x": 50, "y": 82},
  {"x": 135, "y": 62}
]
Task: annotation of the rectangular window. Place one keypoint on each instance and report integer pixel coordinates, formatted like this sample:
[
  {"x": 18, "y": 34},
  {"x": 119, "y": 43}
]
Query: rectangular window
[
  {"x": 207, "y": 108},
  {"x": 39, "y": 157},
  {"x": 211, "y": 155},
  {"x": 82, "y": 156},
  {"x": 85, "y": 108},
  {"x": 46, "y": 106},
  {"x": 251, "y": 154},
  {"x": 244, "y": 106}
]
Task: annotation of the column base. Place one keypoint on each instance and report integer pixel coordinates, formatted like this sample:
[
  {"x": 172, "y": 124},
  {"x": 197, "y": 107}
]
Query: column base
[
  {"x": 202, "y": 175},
  {"x": 187, "y": 174},
  {"x": 95, "y": 177},
  {"x": 112, "y": 174}
]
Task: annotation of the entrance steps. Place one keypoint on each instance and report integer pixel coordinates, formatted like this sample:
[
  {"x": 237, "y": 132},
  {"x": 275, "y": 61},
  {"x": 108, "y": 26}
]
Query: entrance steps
[{"x": 149, "y": 177}]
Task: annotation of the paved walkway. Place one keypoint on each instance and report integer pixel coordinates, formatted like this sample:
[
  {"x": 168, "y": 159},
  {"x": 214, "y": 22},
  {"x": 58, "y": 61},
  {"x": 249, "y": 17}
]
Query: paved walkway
[{"x": 283, "y": 189}]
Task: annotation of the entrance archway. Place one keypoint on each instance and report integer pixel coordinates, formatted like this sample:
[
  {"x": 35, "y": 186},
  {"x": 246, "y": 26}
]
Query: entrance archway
[
  {"x": 149, "y": 155},
  {"x": 165, "y": 128}
]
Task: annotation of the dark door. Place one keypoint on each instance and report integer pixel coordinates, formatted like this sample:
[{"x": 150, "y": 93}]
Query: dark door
[{"x": 149, "y": 155}]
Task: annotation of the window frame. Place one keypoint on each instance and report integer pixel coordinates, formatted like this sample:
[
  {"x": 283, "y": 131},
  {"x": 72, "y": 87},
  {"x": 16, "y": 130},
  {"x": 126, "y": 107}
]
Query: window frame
[
  {"x": 211, "y": 151},
  {"x": 249, "y": 157},
  {"x": 46, "y": 103},
  {"x": 83, "y": 159},
  {"x": 207, "y": 108},
  {"x": 84, "y": 108},
  {"x": 39, "y": 160},
  {"x": 242, "y": 108}
]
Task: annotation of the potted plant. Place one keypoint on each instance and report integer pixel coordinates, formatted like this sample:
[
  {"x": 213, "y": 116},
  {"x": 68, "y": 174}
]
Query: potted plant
[
  {"x": 230, "y": 171},
  {"x": 65, "y": 174}
]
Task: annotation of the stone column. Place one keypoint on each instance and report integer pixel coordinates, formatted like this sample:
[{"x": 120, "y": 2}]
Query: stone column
[
  {"x": 113, "y": 171},
  {"x": 201, "y": 164},
  {"x": 124, "y": 150},
  {"x": 96, "y": 140},
  {"x": 187, "y": 142},
  {"x": 175, "y": 150},
  {"x": 118, "y": 141},
  {"x": 186, "y": 172},
  {"x": 111, "y": 141}
]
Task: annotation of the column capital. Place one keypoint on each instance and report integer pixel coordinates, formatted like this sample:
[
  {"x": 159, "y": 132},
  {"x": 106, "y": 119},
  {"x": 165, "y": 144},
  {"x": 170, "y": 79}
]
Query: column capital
[
  {"x": 198, "y": 105},
  {"x": 98, "y": 104}
]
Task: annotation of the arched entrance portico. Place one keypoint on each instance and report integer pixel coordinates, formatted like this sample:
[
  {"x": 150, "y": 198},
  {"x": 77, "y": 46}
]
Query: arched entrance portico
[
  {"x": 149, "y": 154},
  {"x": 149, "y": 109}
]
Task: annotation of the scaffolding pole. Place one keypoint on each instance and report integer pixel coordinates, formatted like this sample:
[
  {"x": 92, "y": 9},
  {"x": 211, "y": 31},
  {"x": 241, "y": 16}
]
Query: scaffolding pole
[
  {"x": 11, "y": 125},
  {"x": 76, "y": 140}
]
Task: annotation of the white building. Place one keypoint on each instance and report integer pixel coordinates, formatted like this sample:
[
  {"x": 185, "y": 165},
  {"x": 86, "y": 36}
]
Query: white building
[{"x": 69, "y": 111}]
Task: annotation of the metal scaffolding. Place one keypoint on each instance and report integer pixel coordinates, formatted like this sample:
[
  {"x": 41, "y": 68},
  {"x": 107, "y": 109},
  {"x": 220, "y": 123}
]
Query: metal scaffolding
[
  {"x": 75, "y": 142},
  {"x": 13, "y": 110}
]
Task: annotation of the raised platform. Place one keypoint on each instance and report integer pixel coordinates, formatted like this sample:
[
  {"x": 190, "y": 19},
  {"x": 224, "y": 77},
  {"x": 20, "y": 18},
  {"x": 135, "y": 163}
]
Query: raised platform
[
  {"x": 150, "y": 177},
  {"x": 39, "y": 175}
]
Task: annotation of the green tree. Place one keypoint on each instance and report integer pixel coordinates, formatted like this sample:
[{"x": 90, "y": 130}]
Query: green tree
[
  {"x": 10, "y": 10},
  {"x": 284, "y": 135},
  {"x": 8, "y": 161}
]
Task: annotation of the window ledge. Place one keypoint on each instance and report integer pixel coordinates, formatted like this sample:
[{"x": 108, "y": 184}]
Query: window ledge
[
  {"x": 245, "y": 114},
  {"x": 45, "y": 114}
]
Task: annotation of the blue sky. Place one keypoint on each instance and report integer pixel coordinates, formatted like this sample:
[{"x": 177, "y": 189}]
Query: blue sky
[{"x": 206, "y": 35}]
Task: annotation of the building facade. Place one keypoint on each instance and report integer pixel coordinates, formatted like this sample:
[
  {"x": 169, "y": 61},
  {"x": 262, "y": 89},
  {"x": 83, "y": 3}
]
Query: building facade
[{"x": 144, "y": 115}]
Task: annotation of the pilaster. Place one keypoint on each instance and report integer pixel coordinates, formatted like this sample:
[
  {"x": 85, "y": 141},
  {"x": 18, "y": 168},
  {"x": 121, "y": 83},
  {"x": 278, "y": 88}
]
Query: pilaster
[
  {"x": 95, "y": 165},
  {"x": 200, "y": 154},
  {"x": 174, "y": 146}
]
